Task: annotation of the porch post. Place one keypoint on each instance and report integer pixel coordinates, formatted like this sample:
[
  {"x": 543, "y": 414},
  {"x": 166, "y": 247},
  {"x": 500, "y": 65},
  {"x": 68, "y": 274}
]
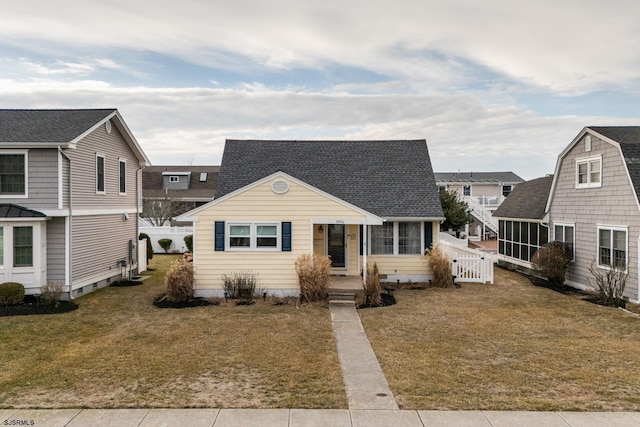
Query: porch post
[{"x": 365, "y": 249}]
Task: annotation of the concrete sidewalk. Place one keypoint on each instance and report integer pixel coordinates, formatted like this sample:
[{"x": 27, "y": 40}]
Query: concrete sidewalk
[{"x": 309, "y": 418}]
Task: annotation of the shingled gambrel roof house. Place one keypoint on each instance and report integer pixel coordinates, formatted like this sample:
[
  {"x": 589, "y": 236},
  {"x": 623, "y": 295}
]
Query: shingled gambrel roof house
[
  {"x": 523, "y": 222},
  {"x": 594, "y": 203},
  {"x": 69, "y": 189},
  {"x": 357, "y": 201}
]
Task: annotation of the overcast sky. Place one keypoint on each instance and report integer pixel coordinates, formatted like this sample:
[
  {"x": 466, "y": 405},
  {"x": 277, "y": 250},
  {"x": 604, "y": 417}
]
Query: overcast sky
[{"x": 495, "y": 85}]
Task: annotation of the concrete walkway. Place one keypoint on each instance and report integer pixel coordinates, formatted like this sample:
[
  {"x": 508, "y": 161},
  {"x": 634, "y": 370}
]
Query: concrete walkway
[
  {"x": 366, "y": 386},
  {"x": 309, "y": 418}
]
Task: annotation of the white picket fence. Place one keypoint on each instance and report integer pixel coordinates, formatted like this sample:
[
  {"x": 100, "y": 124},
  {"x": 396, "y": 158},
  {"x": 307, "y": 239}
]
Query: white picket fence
[
  {"x": 469, "y": 265},
  {"x": 176, "y": 234}
]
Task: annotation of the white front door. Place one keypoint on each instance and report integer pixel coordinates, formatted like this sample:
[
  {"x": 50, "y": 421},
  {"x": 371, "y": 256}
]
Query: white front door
[{"x": 22, "y": 254}]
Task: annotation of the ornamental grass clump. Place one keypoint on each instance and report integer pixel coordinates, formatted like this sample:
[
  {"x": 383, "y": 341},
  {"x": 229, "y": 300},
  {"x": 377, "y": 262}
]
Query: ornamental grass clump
[
  {"x": 372, "y": 287},
  {"x": 51, "y": 293},
  {"x": 313, "y": 276},
  {"x": 179, "y": 281},
  {"x": 440, "y": 266},
  {"x": 239, "y": 285}
]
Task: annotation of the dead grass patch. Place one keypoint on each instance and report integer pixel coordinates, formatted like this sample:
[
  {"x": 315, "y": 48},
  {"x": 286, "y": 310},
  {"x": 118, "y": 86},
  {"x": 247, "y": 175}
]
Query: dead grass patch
[
  {"x": 118, "y": 350},
  {"x": 506, "y": 346}
]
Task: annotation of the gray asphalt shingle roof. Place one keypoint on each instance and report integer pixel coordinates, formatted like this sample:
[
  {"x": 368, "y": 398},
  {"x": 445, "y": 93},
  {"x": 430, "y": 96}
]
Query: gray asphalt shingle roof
[
  {"x": 528, "y": 200},
  {"x": 386, "y": 178},
  {"x": 152, "y": 182},
  {"x": 57, "y": 126},
  {"x": 629, "y": 139},
  {"x": 479, "y": 177}
]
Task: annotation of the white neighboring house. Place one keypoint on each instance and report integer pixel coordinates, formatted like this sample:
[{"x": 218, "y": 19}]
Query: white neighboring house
[
  {"x": 483, "y": 192},
  {"x": 69, "y": 198}
]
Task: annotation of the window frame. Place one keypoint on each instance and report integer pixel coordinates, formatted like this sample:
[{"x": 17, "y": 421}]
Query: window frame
[
  {"x": 589, "y": 161},
  {"x": 253, "y": 236},
  {"x": 17, "y": 247},
  {"x": 122, "y": 177},
  {"x": 509, "y": 187},
  {"x": 521, "y": 245},
  {"x": 396, "y": 239},
  {"x": 464, "y": 190},
  {"x": 25, "y": 154},
  {"x": 104, "y": 174},
  {"x": 564, "y": 226},
  {"x": 612, "y": 229}
]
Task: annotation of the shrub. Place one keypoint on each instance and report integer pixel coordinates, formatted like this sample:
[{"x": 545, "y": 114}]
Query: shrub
[
  {"x": 11, "y": 293},
  {"x": 608, "y": 284},
  {"x": 51, "y": 292},
  {"x": 313, "y": 276},
  {"x": 165, "y": 244},
  {"x": 239, "y": 285},
  {"x": 179, "y": 281},
  {"x": 149, "y": 245},
  {"x": 188, "y": 240},
  {"x": 552, "y": 262},
  {"x": 440, "y": 266},
  {"x": 372, "y": 288}
]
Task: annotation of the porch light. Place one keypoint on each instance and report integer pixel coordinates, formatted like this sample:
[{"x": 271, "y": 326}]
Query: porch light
[{"x": 321, "y": 229}]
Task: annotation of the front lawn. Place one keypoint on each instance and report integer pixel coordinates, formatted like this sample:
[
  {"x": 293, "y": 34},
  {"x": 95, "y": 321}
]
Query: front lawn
[
  {"x": 510, "y": 345},
  {"x": 118, "y": 350}
]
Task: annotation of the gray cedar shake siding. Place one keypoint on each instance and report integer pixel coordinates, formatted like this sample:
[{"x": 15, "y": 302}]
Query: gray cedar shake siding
[{"x": 613, "y": 204}]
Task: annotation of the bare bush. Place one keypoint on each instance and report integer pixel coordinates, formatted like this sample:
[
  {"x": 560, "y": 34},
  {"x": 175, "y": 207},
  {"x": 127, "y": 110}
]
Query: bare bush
[
  {"x": 51, "y": 293},
  {"x": 313, "y": 276},
  {"x": 372, "y": 287},
  {"x": 240, "y": 285},
  {"x": 552, "y": 262},
  {"x": 179, "y": 281},
  {"x": 608, "y": 284},
  {"x": 440, "y": 265}
]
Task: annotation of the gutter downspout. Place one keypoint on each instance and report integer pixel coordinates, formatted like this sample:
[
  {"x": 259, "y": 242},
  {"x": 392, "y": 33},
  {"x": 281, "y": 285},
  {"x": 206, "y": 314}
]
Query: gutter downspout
[{"x": 70, "y": 234}]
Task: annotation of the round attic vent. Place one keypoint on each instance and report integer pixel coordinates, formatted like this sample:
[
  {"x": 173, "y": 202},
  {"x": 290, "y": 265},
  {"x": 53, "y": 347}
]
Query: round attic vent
[
  {"x": 280, "y": 187},
  {"x": 107, "y": 126}
]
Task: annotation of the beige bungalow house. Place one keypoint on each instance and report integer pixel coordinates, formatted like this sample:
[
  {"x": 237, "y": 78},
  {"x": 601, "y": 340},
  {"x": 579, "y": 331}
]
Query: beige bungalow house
[{"x": 359, "y": 202}]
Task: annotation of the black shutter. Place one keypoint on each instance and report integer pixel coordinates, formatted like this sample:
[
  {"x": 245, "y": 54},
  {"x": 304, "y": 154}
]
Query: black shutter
[
  {"x": 219, "y": 235},
  {"x": 428, "y": 235},
  {"x": 286, "y": 237}
]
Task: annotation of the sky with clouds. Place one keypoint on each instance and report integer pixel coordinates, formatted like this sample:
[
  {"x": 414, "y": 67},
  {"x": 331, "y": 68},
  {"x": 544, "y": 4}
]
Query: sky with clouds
[{"x": 492, "y": 86}]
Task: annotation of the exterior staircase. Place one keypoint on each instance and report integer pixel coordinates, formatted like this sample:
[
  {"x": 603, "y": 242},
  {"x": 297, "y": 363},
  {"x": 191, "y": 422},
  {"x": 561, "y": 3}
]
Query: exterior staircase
[{"x": 482, "y": 214}]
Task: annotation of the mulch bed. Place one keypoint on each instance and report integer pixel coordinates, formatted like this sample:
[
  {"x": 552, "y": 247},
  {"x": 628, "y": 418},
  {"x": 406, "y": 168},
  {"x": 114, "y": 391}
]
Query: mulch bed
[
  {"x": 32, "y": 305},
  {"x": 385, "y": 300},
  {"x": 161, "y": 302}
]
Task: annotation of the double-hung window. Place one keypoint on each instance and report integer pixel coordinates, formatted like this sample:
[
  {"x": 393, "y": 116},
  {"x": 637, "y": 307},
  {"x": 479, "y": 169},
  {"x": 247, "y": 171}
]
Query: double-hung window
[
  {"x": 260, "y": 236},
  {"x": 466, "y": 190},
  {"x": 100, "y": 174},
  {"x": 396, "y": 238},
  {"x": 565, "y": 233},
  {"x": 382, "y": 239},
  {"x": 589, "y": 172},
  {"x": 612, "y": 247},
  {"x": 122, "y": 176},
  {"x": 13, "y": 173},
  {"x": 22, "y": 246}
]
